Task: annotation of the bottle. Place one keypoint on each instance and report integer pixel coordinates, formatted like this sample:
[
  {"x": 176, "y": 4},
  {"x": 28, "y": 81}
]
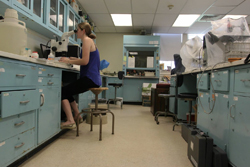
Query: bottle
[
  {"x": 51, "y": 56},
  {"x": 34, "y": 55}
]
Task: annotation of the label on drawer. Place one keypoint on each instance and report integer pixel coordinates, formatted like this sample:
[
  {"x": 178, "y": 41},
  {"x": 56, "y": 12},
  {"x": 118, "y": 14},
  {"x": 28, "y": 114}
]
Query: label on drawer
[
  {"x": 40, "y": 90},
  {"x": 3, "y": 143},
  {"x": 225, "y": 72},
  {"x": 235, "y": 98},
  {"x": 2, "y": 70},
  {"x": 225, "y": 96},
  {"x": 40, "y": 72},
  {"x": 6, "y": 94},
  {"x": 40, "y": 79},
  {"x": 201, "y": 94},
  {"x": 236, "y": 71},
  {"x": 212, "y": 75},
  {"x": 216, "y": 94}
]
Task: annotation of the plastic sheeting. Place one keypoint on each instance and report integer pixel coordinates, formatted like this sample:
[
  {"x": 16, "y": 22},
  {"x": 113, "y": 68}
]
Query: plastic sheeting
[{"x": 191, "y": 53}]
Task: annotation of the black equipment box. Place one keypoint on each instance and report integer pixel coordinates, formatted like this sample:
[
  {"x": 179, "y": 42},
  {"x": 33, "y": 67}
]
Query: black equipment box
[
  {"x": 186, "y": 129},
  {"x": 219, "y": 157},
  {"x": 200, "y": 149}
]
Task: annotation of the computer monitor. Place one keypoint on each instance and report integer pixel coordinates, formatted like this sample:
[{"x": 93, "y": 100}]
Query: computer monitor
[{"x": 45, "y": 50}]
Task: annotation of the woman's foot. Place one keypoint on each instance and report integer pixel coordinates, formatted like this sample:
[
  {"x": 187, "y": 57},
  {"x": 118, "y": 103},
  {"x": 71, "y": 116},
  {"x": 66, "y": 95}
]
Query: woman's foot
[
  {"x": 68, "y": 125},
  {"x": 80, "y": 119}
]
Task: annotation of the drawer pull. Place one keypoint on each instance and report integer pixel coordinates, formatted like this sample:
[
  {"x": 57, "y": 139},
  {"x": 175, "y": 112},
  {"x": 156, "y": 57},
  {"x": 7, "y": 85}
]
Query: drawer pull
[
  {"x": 50, "y": 75},
  {"x": 20, "y": 75},
  {"x": 20, "y": 145},
  {"x": 20, "y": 123},
  {"x": 24, "y": 102},
  {"x": 230, "y": 111},
  {"x": 50, "y": 83},
  {"x": 243, "y": 80}
]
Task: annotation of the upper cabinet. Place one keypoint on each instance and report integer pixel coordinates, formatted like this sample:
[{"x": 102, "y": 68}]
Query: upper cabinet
[
  {"x": 30, "y": 8},
  {"x": 56, "y": 19},
  {"x": 47, "y": 17}
]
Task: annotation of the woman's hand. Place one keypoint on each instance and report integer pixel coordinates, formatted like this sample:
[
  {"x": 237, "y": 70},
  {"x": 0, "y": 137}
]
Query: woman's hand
[{"x": 64, "y": 60}]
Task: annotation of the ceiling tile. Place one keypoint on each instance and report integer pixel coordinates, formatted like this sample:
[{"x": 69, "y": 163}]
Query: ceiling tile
[
  {"x": 241, "y": 9},
  {"x": 142, "y": 19},
  {"x": 160, "y": 29},
  {"x": 177, "y": 30},
  {"x": 102, "y": 19},
  {"x": 227, "y": 2},
  {"x": 124, "y": 29},
  {"x": 118, "y": 6},
  {"x": 144, "y": 6},
  {"x": 196, "y": 6},
  {"x": 107, "y": 29},
  {"x": 163, "y": 6},
  {"x": 96, "y": 29},
  {"x": 165, "y": 20},
  {"x": 94, "y": 6},
  {"x": 219, "y": 10},
  {"x": 199, "y": 28}
]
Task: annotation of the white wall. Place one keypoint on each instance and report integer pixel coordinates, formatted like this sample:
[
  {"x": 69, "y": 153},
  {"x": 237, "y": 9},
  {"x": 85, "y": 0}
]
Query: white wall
[{"x": 110, "y": 46}]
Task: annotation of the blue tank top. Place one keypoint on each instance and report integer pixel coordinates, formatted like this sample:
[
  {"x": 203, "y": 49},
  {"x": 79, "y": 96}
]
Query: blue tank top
[{"x": 91, "y": 70}]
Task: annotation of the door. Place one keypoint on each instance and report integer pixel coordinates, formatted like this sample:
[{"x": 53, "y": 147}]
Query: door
[{"x": 49, "y": 113}]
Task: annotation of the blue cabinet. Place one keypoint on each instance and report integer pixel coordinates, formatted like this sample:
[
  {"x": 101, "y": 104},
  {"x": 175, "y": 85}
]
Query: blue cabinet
[
  {"x": 30, "y": 8},
  {"x": 203, "y": 81},
  {"x": 7, "y": 2},
  {"x": 220, "y": 80},
  {"x": 242, "y": 80},
  {"x": 73, "y": 21},
  {"x": 239, "y": 132}
]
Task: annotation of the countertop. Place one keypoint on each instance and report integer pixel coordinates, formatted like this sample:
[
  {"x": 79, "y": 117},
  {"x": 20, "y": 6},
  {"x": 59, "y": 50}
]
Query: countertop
[
  {"x": 141, "y": 77},
  {"x": 52, "y": 63}
]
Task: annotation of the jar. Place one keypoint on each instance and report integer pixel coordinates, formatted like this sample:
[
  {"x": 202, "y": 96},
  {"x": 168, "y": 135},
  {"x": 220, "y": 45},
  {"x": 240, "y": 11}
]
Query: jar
[{"x": 34, "y": 55}]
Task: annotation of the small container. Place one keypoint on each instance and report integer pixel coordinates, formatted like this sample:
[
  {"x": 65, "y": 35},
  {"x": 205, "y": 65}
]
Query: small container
[
  {"x": 34, "y": 55},
  {"x": 51, "y": 56}
]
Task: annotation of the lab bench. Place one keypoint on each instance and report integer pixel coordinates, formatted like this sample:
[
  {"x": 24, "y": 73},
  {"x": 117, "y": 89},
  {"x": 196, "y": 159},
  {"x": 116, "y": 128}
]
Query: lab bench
[
  {"x": 30, "y": 103},
  {"x": 223, "y": 114}
]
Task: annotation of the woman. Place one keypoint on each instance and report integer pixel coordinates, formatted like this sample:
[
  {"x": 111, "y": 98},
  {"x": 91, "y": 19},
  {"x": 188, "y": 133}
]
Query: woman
[{"x": 89, "y": 74}]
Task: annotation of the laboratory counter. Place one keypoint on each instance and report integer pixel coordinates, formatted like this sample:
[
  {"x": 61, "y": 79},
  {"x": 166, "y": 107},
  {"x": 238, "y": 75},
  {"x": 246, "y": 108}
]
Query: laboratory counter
[{"x": 222, "y": 105}]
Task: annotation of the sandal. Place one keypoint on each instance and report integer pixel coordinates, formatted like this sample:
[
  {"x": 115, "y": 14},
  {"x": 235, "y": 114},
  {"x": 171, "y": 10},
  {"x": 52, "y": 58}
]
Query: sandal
[
  {"x": 70, "y": 126},
  {"x": 80, "y": 120}
]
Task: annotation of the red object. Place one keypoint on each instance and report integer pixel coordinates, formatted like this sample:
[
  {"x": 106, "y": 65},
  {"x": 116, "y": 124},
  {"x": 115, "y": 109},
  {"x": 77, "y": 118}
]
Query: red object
[
  {"x": 192, "y": 117},
  {"x": 162, "y": 85}
]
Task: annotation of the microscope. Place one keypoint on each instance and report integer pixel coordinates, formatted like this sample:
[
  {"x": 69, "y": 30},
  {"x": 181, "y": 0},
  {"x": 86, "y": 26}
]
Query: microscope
[{"x": 60, "y": 48}]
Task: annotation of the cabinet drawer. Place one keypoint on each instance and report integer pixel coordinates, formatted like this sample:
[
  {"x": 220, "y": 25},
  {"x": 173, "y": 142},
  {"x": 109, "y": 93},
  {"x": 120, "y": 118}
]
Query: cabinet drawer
[
  {"x": 49, "y": 72},
  {"x": 48, "y": 81},
  {"x": 203, "y": 82},
  {"x": 12, "y": 74},
  {"x": 242, "y": 80},
  {"x": 16, "y": 146},
  {"x": 220, "y": 80},
  {"x": 17, "y": 124},
  {"x": 17, "y": 102}
]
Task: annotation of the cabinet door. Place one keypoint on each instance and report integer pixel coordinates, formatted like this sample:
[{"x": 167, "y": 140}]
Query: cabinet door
[
  {"x": 61, "y": 18},
  {"x": 49, "y": 113},
  {"x": 132, "y": 90},
  {"x": 203, "y": 116},
  {"x": 71, "y": 23},
  {"x": 53, "y": 20},
  {"x": 239, "y": 133},
  {"x": 38, "y": 7},
  {"x": 219, "y": 121}
]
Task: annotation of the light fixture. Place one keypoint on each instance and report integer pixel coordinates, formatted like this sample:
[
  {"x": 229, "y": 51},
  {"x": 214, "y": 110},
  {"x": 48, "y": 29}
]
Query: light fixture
[
  {"x": 185, "y": 20},
  {"x": 122, "y": 19},
  {"x": 234, "y": 16}
]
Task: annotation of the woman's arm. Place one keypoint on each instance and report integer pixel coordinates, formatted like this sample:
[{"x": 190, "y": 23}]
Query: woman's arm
[{"x": 85, "y": 54}]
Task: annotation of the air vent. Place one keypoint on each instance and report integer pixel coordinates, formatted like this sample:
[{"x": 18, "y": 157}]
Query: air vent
[{"x": 210, "y": 17}]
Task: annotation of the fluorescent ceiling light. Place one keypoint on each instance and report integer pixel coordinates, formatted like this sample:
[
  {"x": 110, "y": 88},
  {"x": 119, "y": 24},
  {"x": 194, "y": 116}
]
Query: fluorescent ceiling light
[
  {"x": 185, "y": 20},
  {"x": 122, "y": 19},
  {"x": 234, "y": 16}
]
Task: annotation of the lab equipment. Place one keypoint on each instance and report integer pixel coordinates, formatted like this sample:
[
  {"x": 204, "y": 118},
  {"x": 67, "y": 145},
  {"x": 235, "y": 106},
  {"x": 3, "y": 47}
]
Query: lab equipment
[
  {"x": 60, "y": 48},
  {"x": 34, "y": 55},
  {"x": 13, "y": 33}
]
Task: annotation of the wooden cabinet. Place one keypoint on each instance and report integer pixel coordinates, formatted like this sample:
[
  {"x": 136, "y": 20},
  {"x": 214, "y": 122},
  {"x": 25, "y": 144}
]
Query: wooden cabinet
[{"x": 158, "y": 103}]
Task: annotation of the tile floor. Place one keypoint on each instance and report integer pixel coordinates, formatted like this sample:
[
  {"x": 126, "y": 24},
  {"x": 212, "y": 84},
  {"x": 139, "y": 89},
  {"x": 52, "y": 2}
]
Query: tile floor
[{"x": 138, "y": 142}]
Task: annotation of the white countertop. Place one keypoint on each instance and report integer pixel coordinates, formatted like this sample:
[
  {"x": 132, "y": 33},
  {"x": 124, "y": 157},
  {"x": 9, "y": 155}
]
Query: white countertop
[
  {"x": 216, "y": 66},
  {"x": 53, "y": 63}
]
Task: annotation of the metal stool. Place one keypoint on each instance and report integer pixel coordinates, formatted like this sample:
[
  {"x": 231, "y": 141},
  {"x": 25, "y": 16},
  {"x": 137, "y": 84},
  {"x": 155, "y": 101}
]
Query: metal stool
[
  {"x": 187, "y": 97},
  {"x": 166, "y": 113},
  {"x": 96, "y": 111}
]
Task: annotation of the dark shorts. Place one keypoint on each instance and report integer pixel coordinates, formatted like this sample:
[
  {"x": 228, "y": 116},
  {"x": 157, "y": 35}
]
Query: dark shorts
[{"x": 79, "y": 86}]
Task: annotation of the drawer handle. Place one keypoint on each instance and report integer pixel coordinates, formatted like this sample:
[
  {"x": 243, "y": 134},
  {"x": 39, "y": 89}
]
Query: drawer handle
[
  {"x": 20, "y": 145},
  {"x": 50, "y": 75},
  {"x": 24, "y": 102},
  {"x": 20, "y": 75},
  {"x": 230, "y": 111},
  {"x": 50, "y": 83},
  {"x": 42, "y": 96},
  {"x": 20, "y": 123},
  {"x": 243, "y": 80}
]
